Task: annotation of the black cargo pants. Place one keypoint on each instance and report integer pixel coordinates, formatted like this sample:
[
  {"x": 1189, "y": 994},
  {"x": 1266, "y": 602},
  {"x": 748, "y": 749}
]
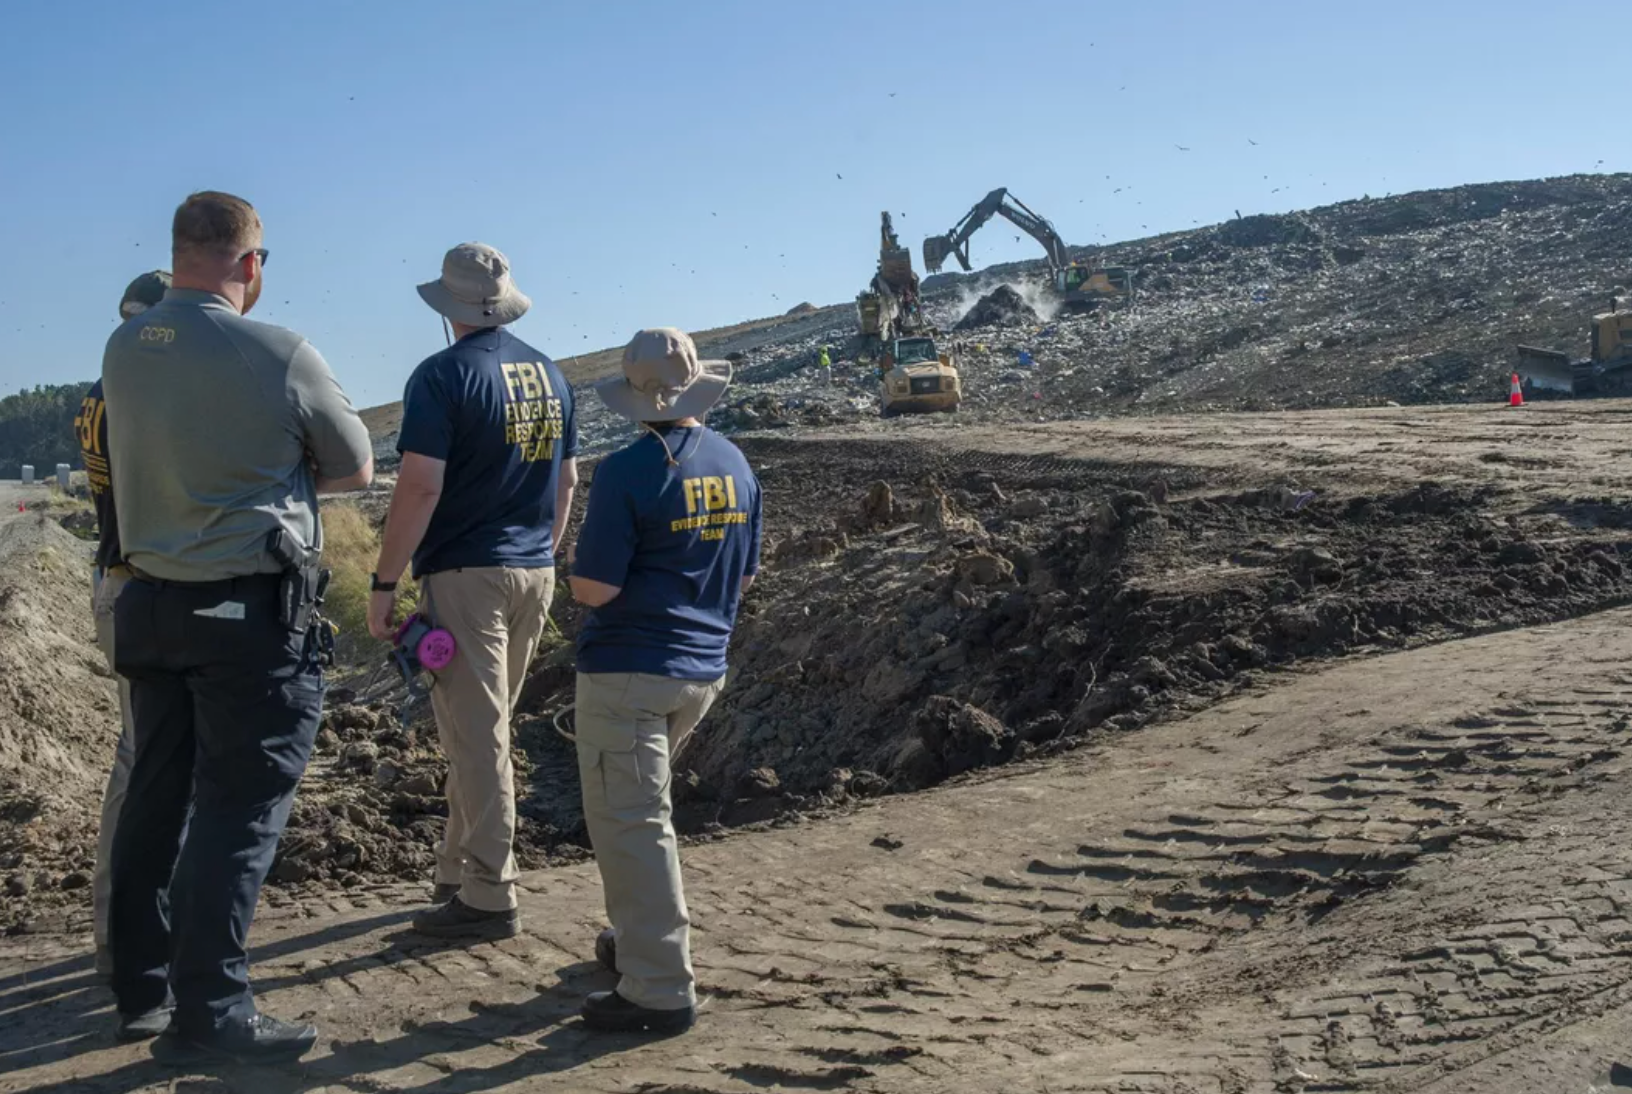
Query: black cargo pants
[{"x": 226, "y": 702}]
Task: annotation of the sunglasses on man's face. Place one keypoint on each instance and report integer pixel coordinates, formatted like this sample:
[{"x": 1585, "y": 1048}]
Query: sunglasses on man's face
[{"x": 261, "y": 252}]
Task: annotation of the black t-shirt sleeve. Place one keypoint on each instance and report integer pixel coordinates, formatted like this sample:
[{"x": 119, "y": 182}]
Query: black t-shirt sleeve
[{"x": 427, "y": 415}]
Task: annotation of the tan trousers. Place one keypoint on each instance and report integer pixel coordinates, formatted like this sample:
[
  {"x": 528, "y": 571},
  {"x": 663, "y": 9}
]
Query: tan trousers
[
  {"x": 628, "y": 725},
  {"x": 497, "y": 616},
  {"x": 124, "y": 754}
]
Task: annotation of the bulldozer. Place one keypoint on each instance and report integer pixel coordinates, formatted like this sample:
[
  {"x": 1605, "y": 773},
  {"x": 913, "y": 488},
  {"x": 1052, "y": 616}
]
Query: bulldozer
[
  {"x": 889, "y": 306},
  {"x": 1079, "y": 287},
  {"x": 1606, "y": 370},
  {"x": 917, "y": 377}
]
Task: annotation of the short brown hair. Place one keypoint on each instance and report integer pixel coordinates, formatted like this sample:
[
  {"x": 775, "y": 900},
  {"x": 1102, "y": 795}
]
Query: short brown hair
[{"x": 214, "y": 222}]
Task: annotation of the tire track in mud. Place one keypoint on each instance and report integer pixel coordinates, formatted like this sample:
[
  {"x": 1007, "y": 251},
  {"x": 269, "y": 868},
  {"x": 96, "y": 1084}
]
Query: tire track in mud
[{"x": 1105, "y": 930}]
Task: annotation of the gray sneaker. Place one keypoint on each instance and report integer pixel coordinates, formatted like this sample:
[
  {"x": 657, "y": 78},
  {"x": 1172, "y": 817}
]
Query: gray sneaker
[{"x": 456, "y": 919}]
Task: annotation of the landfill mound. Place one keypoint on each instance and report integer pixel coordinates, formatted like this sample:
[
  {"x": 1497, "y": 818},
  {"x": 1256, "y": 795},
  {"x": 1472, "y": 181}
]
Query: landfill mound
[
  {"x": 1002, "y": 305},
  {"x": 59, "y": 718},
  {"x": 1410, "y": 299}
]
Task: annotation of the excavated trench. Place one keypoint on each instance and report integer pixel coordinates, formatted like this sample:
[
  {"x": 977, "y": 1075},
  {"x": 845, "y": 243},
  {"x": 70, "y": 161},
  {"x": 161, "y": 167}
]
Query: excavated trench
[{"x": 970, "y": 610}]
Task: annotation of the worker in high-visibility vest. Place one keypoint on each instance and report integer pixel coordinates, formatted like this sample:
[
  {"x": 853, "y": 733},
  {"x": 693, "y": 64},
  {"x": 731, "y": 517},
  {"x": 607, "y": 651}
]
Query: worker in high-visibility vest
[{"x": 825, "y": 363}]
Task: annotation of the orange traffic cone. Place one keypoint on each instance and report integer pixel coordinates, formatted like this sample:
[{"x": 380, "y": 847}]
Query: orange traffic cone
[{"x": 1517, "y": 396}]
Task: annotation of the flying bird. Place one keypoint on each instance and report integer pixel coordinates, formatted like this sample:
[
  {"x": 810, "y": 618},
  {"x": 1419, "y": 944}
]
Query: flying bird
[
  {"x": 1181, "y": 148},
  {"x": 1252, "y": 142},
  {"x": 838, "y": 176}
]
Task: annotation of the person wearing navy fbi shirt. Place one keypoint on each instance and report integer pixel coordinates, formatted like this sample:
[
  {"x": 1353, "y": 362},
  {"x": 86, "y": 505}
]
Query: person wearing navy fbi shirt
[
  {"x": 489, "y": 442},
  {"x": 670, "y": 542}
]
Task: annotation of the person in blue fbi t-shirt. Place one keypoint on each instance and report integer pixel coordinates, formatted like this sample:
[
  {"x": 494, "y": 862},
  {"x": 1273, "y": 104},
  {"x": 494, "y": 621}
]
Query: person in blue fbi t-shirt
[
  {"x": 489, "y": 445},
  {"x": 669, "y": 544}
]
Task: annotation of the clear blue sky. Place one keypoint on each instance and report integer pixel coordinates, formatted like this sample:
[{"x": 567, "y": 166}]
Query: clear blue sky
[{"x": 650, "y": 163}]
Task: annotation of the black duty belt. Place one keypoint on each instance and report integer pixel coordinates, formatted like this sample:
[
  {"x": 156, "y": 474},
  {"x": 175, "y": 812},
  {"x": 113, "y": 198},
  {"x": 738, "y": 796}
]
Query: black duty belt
[{"x": 221, "y": 584}]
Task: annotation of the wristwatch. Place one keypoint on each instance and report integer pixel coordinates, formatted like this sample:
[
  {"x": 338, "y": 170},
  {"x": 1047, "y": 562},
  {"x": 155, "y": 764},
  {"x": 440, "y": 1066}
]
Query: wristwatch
[{"x": 375, "y": 585}]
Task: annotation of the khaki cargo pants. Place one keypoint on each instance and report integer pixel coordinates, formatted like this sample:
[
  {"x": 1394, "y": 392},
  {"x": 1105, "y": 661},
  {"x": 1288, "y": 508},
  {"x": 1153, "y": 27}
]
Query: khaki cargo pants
[
  {"x": 497, "y": 616},
  {"x": 628, "y": 725},
  {"x": 124, "y": 754}
]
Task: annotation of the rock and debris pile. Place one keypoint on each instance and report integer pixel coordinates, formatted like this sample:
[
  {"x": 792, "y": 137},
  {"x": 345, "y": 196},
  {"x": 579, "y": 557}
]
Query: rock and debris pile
[
  {"x": 372, "y": 806},
  {"x": 59, "y": 721},
  {"x": 1003, "y": 305}
]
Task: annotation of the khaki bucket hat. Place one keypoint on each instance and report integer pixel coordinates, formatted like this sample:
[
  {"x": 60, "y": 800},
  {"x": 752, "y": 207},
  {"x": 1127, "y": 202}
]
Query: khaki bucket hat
[
  {"x": 475, "y": 288},
  {"x": 663, "y": 381}
]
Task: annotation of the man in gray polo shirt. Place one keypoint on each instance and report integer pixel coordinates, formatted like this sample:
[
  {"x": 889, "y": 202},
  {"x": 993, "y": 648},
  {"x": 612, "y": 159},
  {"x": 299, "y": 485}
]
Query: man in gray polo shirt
[{"x": 221, "y": 431}]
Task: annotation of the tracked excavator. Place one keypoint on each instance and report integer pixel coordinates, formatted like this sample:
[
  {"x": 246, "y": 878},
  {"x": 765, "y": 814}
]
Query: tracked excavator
[
  {"x": 1606, "y": 370},
  {"x": 1079, "y": 287}
]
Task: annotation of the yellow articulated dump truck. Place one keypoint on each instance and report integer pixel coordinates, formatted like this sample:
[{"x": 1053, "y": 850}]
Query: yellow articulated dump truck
[{"x": 915, "y": 377}]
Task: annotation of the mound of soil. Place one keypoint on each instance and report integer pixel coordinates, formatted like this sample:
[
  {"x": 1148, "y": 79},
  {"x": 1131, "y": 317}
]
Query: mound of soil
[
  {"x": 967, "y": 619},
  {"x": 371, "y": 807},
  {"x": 1003, "y": 305},
  {"x": 59, "y": 720}
]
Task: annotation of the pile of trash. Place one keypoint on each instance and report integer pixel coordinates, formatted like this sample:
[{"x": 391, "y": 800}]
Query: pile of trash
[{"x": 1002, "y": 305}]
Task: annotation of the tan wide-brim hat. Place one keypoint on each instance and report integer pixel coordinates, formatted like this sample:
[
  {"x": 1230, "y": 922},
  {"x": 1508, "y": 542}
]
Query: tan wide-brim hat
[
  {"x": 475, "y": 288},
  {"x": 663, "y": 381}
]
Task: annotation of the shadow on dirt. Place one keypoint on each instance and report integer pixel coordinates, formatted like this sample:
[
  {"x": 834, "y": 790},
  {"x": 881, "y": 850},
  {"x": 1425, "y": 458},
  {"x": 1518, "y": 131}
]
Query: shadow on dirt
[{"x": 63, "y": 1027}]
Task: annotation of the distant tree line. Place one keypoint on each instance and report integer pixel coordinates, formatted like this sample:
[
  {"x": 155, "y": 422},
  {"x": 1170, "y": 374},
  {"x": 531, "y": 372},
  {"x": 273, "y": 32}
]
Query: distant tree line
[{"x": 37, "y": 427}]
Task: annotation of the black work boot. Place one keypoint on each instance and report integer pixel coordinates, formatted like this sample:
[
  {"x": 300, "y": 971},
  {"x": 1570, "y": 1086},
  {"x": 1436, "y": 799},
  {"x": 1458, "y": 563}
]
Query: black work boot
[
  {"x": 610, "y": 1012},
  {"x": 149, "y": 1023},
  {"x": 456, "y": 919},
  {"x": 606, "y": 949},
  {"x": 444, "y": 892},
  {"x": 259, "y": 1038}
]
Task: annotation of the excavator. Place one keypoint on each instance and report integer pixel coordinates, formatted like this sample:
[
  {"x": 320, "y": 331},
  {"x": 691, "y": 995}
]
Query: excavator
[
  {"x": 889, "y": 307},
  {"x": 1080, "y": 287},
  {"x": 1607, "y": 370}
]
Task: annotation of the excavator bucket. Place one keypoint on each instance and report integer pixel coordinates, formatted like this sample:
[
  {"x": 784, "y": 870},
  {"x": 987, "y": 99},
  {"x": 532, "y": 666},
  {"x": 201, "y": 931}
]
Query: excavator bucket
[{"x": 937, "y": 249}]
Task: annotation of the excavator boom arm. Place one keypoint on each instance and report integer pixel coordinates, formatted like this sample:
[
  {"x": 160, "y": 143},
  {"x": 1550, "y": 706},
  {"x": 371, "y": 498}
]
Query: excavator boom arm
[{"x": 955, "y": 244}]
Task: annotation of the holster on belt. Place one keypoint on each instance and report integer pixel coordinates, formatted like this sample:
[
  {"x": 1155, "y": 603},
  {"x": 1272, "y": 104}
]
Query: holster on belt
[{"x": 300, "y": 593}]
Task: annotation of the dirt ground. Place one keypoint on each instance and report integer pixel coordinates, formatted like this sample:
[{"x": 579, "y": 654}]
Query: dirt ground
[
  {"x": 1402, "y": 873},
  {"x": 1252, "y": 753}
]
